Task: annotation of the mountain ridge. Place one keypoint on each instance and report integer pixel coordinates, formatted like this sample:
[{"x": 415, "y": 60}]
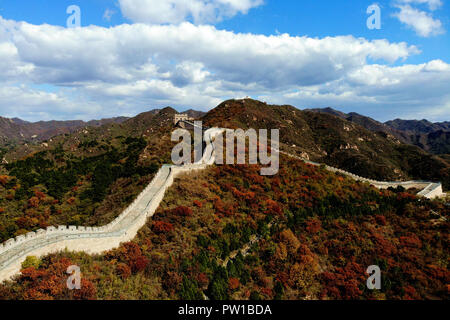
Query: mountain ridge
[
  {"x": 429, "y": 136},
  {"x": 333, "y": 140},
  {"x": 17, "y": 130}
]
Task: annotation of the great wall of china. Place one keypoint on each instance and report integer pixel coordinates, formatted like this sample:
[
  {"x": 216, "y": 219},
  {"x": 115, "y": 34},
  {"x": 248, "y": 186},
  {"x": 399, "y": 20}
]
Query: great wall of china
[
  {"x": 428, "y": 189},
  {"x": 95, "y": 240}
]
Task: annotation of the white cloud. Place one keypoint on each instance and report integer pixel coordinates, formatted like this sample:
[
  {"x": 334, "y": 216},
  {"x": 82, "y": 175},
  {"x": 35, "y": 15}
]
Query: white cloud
[
  {"x": 131, "y": 52},
  {"x": 33, "y": 104},
  {"x": 432, "y": 4},
  {"x": 176, "y": 11},
  {"x": 408, "y": 91},
  {"x": 126, "y": 69},
  {"x": 421, "y": 22}
]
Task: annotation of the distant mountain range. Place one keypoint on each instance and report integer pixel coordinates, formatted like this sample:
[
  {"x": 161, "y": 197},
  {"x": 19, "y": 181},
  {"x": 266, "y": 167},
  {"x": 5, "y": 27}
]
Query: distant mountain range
[
  {"x": 351, "y": 142},
  {"x": 356, "y": 143},
  {"x": 431, "y": 137},
  {"x": 15, "y": 130}
]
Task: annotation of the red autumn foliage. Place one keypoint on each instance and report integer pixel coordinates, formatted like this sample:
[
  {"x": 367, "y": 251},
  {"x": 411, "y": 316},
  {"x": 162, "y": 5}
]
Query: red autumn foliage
[
  {"x": 39, "y": 194},
  {"x": 87, "y": 291},
  {"x": 198, "y": 204},
  {"x": 233, "y": 283},
  {"x": 202, "y": 279},
  {"x": 313, "y": 225},
  {"x": 172, "y": 281},
  {"x": 223, "y": 209},
  {"x": 344, "y": 283},
  {"x": 243, "y": 195},
  {"x": 267, "y": 292},
  {"x": 183, "y": 211},
  {"x": 4, "y": 180},
  {"x": 33, "y": 202},
  {"x": 139, "y": 264},
  {"x": 405, "y": 195},
  {"x": 282, "y": 277},
  {"x": 273, "y": 208},
  {"x": 162, "y": 227},
  {"x": 218, "y": 205},
  {"x": 438, "y": 273},
  {"x": 256, "y": 178},
  {"x": 381, "y": 220},
  {"x": 31, "y": 274},
  {"x": 410, "y": 293},
  {"x": 123, "y": 270},
  {"x": 133, "y": 256},
  {"x": 411, "y": 241},
  {"x": 50, "y": 283}
]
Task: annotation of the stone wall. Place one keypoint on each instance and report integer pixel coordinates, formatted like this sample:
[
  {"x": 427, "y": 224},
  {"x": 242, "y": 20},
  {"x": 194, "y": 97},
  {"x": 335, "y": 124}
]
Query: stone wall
[
  {"x": 94, "y": 240},
  {"x": 429, "y": 189}
]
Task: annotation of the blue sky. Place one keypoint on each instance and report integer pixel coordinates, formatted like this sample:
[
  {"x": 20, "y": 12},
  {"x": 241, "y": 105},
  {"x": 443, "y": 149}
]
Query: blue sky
[{"x": 46, "y": 78}]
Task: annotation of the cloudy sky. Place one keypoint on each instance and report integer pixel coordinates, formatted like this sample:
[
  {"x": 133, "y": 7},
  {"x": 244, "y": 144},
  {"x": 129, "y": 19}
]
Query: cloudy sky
[{"x": 130, "y": 56}]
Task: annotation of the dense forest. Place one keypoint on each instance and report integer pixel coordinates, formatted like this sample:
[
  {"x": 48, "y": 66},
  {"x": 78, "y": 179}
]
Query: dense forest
[
  {"x": 229, "y": 233},
  {"x": 85, "y": 178},
  {"x": 55, "y": 187}
]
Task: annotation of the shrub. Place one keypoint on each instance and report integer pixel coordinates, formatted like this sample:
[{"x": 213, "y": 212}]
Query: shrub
[
  {"x": 162, "y": 227},
  {"x": 88, "y": 291},
  {"x": 123, "y": 270},
  {"x": 33, "y": 202},
  {"x": 233, "y": 283},
  {"x": 139, "y": 264},
  {"x": 4, "y": 180},
  {"x": 183, "y": 211},
  {"x": 31, "y": 261}
]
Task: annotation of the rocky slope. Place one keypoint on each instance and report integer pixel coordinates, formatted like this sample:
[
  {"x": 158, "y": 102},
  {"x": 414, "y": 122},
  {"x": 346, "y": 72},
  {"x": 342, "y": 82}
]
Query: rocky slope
[
  {"x": 336, "y": 141},
  {"x": 431, "y": 137}
]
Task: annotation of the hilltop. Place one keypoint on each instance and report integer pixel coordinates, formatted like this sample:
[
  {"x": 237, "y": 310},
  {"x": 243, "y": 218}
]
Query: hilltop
[
  {"x": 329, "y": 138},
  {"x": 18, "y": 131},
  {"x": 429, "y": 136}
]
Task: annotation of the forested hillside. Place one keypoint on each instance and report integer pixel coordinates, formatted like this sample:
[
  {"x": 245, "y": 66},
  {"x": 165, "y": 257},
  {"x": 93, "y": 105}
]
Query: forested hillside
[
  {"x": 314, "y": 234},
  {"x": 227, "y": 232},
  {"x": 13, "y": 131},
  {"x": 429, "y": 136},
  {"x": 86, "y": 178},
  {"x": 327, "y": 138}
]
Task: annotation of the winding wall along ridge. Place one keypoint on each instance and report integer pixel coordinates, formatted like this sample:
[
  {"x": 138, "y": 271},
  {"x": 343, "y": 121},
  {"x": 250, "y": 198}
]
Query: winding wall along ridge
[
  {"x": 428, "y": 189},
  {"x": 95, "y": 240}
]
